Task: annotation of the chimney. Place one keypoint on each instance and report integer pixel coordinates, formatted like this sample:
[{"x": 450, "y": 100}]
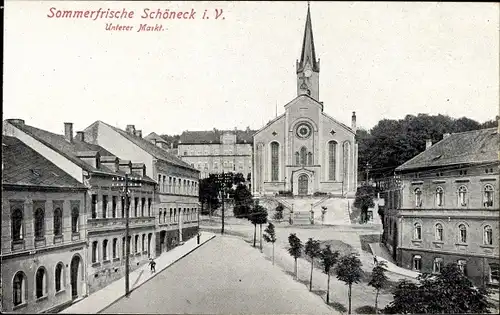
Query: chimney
[
  {"x": 80, "y": 136},
  {"x": 130, "y": 129},
  {"x": 138, "y": 133},
  {"x": 68, "y": 131},
  {"x": 428, "y": 143},
  {"x": 446, "y": 135},
  {"x": 353, "y": 122}
]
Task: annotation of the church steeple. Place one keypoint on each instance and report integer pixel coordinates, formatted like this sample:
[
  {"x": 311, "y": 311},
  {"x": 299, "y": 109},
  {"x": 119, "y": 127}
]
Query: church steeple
[{"x": 308, "y": 65}]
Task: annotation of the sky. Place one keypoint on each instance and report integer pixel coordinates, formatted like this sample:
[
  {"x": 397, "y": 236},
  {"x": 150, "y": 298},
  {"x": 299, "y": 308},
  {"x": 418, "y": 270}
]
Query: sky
[{"x": 380, "y": 59}]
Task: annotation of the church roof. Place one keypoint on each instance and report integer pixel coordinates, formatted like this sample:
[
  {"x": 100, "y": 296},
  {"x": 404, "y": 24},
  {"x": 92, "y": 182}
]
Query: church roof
[
  {"x": 213, "y": 136},
  {"x": 476, "y": 146},
  {"x": 308, "y": 52}
]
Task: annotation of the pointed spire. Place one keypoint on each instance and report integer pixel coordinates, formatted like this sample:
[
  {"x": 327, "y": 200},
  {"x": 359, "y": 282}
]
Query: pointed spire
[{"x": 308, "y": 52}]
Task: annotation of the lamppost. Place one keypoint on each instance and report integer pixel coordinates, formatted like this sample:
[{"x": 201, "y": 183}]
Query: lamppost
[
  {"x": 199, "y": 234},
  {"x": 127, "y": 182},
  {"x": 223, "y": 182}
]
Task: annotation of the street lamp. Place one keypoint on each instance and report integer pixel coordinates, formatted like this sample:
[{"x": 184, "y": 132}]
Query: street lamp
[{"x": 223, "y": 180}]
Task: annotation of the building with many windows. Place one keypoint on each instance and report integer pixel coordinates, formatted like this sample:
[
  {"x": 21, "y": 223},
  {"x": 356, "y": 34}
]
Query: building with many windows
[
  {"x": 217, "y": 151},
  {"x": 444, "y": 207},
  {"x": 99, "y": 170},
  {"x": 43, "y": 250},
  {"x": 176, "y": 197}
]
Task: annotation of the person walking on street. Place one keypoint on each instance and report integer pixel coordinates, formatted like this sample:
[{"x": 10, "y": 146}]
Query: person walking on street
[
  {"x": 152, "y": 263},
  {"x": 375, "y": 262}
]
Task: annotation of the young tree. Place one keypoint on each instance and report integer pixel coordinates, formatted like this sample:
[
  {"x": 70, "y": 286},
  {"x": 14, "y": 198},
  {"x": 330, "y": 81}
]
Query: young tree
[
  {"x": 328, "y": 260},
  {"x": 364, "y": 200},
  {"x": 447, "y": 292},
  {"x": 258, "y": 216},
  {"x": 312, "y": 250},
  {"x": 295, "y": 250},
  {"x": 378, "y": 280},
  {"x": 270, "y": 236},
  {"x": 278, "y": 214},
  {"x": 349, "y": 270}
]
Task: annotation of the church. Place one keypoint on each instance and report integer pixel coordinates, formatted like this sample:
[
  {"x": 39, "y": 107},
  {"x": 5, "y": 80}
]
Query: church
[{"x": 306, "y": 152}]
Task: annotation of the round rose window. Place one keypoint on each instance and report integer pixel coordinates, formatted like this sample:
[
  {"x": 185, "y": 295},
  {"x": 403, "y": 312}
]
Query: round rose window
[{"x": 303, "y": 131}]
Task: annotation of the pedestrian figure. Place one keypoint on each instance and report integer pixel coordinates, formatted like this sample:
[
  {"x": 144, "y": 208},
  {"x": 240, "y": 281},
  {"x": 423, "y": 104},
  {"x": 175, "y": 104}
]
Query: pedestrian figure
[
  {"x": 152, "y": 263},
  {"x": 375, "y": 262}
]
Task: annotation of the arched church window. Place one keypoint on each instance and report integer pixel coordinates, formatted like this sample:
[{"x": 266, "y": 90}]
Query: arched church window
[
  {"x": 346, "y": 148},
  {"x": 303, "y": 156},
  {"x": 332, "y": 152},
  {"x": 297, "y": 158},
  {"x": 309, "y": 158},
  {"x": 274, "y": 161}
]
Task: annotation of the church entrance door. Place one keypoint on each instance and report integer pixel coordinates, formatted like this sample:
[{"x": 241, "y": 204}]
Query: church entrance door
[{"x": 303, "y": 182}]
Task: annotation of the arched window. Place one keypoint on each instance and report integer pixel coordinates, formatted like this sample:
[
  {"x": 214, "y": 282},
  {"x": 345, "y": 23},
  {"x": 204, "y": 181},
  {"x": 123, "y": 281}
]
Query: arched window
[
  {"x": 346, "y": 146},
  {"x": 309, "y": 158},
  {"x": 462, "y": 196},
  {"x": 165, "y": 216},
  {"x": 418, "y": 197},
  {"x": 439, "y": 232},
  {"x": 297, "y": 158},
  {"x": 332, "y": 154},
  {"x": 124, "y": 249},
  {"x": 175, "y": 214},
  {"x": 170, "y": 217},
  {"x": 438, "y": 265},
  {"x": 462, "y": 265},
  {"x": 159, "y": 216},
  {"x": 143, "y": 247},
  {"x": 75, "y": 214},
  {"x": 115, "y": 245},
  {"x": 439, "y": 196},
  {"x": 417, "y": 231},
  {"x": 105, "y": 250},
  {"x": 41, "y": 283},
  {"x": 488, "y": 196},
  {"x": 274, "y": 161},
  {"x": 136, "y": 243},
  {"x": 19, "y": 289},
  {"x": 59, "y": 277},
  {"x": 58, "y": 221},
  {"x": 417, "y": 262},
  {"x": 462, "y": 236},
  {"x": 303, "y": 156},
  {"x": 39, "y": 223},
  {"x": 17, "y": 225},
  {"x": 488, "y": 235},
  {"x": 95, "y": 253}
]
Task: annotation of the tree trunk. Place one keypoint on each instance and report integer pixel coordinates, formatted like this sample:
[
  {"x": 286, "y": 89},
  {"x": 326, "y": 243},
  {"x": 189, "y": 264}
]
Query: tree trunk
[
  {"x": 311, "y": 277},
  {"x": 260, "y": 237},
  {"x": 296, "y": 270},
  {"x": 328, "y": 290},
  {"x": 376, "y": 303},
  {"x": 349, "y": 296},
  {"x": 273, "y": 253},
  {"x": 254, "y": 234}
]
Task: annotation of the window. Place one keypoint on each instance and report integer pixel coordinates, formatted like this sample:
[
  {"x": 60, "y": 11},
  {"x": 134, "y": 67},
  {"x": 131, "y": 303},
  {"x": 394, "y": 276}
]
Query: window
[
  {"x": 488, "y": 196},
  {"x": 94, "y": 252},
  {"x": 417, "y": 233},
  {"x": 136, "y": 203},
  {"x": 439, "y": 196},
  {"x": 438, "y": 265},
  {"x": 41, "y": 283},
  {"x": 309, "y": 158},
  {"x": 170, "y": 218},
  {"x": 488, "y": 235},
  {"x": 462, "y": 265},
  {"x": 417, "y": 262},
  {"x": 494, "y": 274},
  {"x": 439, "y": 232},
  {"x": 104, "y": 206},
  {"x": 17, "y": 225},
  {"x": 303, "y": 156},
  {"x": 159, "y": 216},
  {"x": 462, "y": 237},
  {"x": 165, "y": 216},
  {"x": 175, "y": 214},
  {"x": 39, "y": 223},
  {"x": 57, "y": 222},
  {"x": 136, "y": 243},
  {"x": 113, "y": 206},
  {"x": 462, "y": 196},
  {"x": 19, "y": 289},
  {"x": 94, "y": 206},
  {"x": 59, "y": 277},
  {"x": 124, "y": 249},
  {"x": 150, "y": 201},
  {"x": 115, "y": 245},
  {"x": 418, "y": 197},
  {"x": 143, "y": 206},
  {"x": 105, "y": 250},
  {"x": 332, "y": 153},
  {"x": 143, "y": 247},
  {"x": 297, "y": 158},
  {"x": 75, "y": 217}
]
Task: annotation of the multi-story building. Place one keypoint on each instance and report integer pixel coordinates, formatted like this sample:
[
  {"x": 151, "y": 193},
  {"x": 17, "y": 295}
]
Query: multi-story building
[
  {"x": 99, "y": 170},
  {"x": 217, "y": 151},
  {"x": 176, "y": 198},
  {"x": 43, "y": 251},
  {"x": 443, "y": 207}
]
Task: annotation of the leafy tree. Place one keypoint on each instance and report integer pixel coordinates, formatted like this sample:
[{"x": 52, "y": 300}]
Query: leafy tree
[
  {"x": 328, "y": 260},
  {"x": 258, "y": 216},
  {"x": 490, "y": 124},
  {"x": 242, "y": 201},
  {"x": 364, "y": 200},
  {"x": 295, "y": 250},
  {"x": 278, "y": 214},
  {"x": 349, "y": 271},
  {"x": 238, "y": 179},
  {"x": 270, "y": 236},
  {"x": 172, "y": 140},
  {"x": 448, "y": 292},
  {"x": 208, "y": 193},
  {"x": 312, "y": 249},
  {"x": 378, "y": 280}
]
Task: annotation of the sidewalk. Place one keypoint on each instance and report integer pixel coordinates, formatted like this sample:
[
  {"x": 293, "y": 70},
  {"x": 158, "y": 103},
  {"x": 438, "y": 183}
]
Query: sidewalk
[{"x": 101, "y": 299}]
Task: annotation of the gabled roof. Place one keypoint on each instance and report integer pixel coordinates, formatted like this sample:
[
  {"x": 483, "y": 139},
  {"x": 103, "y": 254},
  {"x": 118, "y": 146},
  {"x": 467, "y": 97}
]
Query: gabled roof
[
  {"x": 213, "y": 136},
  {"x": 470, "y": 147},
  {"x": 155, "y": 151},
  {"x": 24, "y": 166},
  {"x": 154, "y": 136}
]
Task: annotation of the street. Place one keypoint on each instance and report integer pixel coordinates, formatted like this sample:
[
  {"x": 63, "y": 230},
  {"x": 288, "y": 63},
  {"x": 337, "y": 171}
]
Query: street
[{"x": 225, "y": 276}]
